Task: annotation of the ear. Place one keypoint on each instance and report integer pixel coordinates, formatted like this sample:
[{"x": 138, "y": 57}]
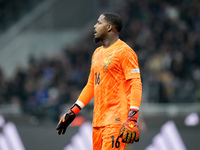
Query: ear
[{"x": 109, "y": 27}]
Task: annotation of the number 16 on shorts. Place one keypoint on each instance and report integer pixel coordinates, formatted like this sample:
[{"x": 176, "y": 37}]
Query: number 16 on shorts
[{"x": 115, "y": 143}]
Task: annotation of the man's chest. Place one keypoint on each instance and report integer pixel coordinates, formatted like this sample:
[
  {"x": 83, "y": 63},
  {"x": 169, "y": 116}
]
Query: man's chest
[{"x": 106, "y": 61}]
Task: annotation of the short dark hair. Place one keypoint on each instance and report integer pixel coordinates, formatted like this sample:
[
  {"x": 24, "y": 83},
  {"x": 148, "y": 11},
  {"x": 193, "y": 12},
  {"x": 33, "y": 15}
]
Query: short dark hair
[{"x": 114, "y": 19}]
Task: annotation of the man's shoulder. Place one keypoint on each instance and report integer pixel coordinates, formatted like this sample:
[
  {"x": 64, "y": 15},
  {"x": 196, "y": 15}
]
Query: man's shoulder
[
  {"x": 124, "y": 50},
  {"x": 97, "y": 50},
  {"x": 123, "y": 46}
]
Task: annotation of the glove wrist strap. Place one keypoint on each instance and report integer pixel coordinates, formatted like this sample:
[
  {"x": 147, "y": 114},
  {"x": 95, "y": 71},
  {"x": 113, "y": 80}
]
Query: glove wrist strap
[
  {"x": 75, "y": 108},
  {"x": 133, "y": 114}
]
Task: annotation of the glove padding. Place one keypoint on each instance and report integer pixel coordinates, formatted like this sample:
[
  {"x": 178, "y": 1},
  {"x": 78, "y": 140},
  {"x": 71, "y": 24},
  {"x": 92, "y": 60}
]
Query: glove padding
[
  {"x": 129, "y": 131},
  {"x": 65, "y": 121}
]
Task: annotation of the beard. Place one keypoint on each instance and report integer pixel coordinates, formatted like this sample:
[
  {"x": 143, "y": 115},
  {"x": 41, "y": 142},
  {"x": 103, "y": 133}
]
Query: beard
[{"x": 96, "y": 39}]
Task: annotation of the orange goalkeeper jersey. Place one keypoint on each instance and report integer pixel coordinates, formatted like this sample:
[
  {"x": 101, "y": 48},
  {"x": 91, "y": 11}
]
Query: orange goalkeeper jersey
[{"x": 110, "y": 70}]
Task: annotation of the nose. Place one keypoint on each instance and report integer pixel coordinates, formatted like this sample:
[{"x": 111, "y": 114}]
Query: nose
[{"x": 95, "y": 25}]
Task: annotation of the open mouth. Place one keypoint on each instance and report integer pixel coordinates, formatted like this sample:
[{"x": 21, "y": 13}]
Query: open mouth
[{"x": 95, "y": 32}]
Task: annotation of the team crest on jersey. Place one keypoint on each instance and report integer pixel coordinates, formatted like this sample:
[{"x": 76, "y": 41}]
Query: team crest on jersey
[{"x": 107, "y": 60}]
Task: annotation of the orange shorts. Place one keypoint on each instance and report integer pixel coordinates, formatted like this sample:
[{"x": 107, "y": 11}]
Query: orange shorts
[{"x": 106, "y": 138}]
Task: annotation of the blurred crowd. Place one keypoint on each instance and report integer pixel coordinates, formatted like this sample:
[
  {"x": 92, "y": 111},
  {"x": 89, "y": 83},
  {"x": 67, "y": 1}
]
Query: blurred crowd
[
  {"x": 12, "y": 10},
  {"x": 164, "y": 34}
]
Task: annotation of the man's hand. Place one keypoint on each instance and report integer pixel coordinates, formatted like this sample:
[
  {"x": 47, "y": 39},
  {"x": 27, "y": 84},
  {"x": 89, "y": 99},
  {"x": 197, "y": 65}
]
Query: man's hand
[
  {"x": 129, "y": 131},
  {"x": 67, "y": 119}
]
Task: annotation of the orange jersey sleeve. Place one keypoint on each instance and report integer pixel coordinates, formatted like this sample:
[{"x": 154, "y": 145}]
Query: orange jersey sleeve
[
  {"x": 131, "y": 71},
  {"x": 136, "y": 92},
  {"x": 88, "y": 91}
]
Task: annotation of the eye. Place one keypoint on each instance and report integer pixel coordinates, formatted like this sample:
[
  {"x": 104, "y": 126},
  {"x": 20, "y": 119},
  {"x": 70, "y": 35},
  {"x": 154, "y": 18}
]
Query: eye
[{"x": 98, "y": 22}]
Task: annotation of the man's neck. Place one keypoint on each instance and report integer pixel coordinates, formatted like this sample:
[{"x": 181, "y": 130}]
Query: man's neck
[{"x": 109, "y": 41}]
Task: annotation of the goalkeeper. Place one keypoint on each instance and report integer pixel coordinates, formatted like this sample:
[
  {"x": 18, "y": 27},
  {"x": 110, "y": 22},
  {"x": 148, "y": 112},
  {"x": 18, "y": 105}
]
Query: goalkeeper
[{"x": 115, "y": 84}]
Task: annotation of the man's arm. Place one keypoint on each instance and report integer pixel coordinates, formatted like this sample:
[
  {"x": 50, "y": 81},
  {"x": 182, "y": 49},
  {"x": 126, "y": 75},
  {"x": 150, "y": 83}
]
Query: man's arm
[
  {"x": 83, "y": 99},
  {"x": 129, "y": 131},
  {"x": 136, "y": 92},
  {"x": 85, "y": 96}
]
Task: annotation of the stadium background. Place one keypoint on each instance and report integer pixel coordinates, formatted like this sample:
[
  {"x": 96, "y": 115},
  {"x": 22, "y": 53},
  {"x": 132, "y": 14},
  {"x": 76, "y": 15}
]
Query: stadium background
[{"x": 45, "y": 53}]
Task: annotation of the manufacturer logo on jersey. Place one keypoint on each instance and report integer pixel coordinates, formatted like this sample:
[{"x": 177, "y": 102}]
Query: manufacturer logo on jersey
[
  {"x": 117, "y": 119},
  {"x": 135, "y": 70},
  {"x": 107, "y": 60}
]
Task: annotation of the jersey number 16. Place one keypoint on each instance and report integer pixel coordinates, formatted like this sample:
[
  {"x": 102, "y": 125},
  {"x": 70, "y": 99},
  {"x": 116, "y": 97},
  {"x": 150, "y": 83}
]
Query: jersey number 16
[{"x": 97, "y": 78}]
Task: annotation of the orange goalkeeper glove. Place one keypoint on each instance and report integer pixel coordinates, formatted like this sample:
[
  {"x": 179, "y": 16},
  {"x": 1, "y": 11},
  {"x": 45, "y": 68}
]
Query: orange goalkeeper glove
[
  {"x": 129, "y": 131},
  {"x": 67, "y": 119}
]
